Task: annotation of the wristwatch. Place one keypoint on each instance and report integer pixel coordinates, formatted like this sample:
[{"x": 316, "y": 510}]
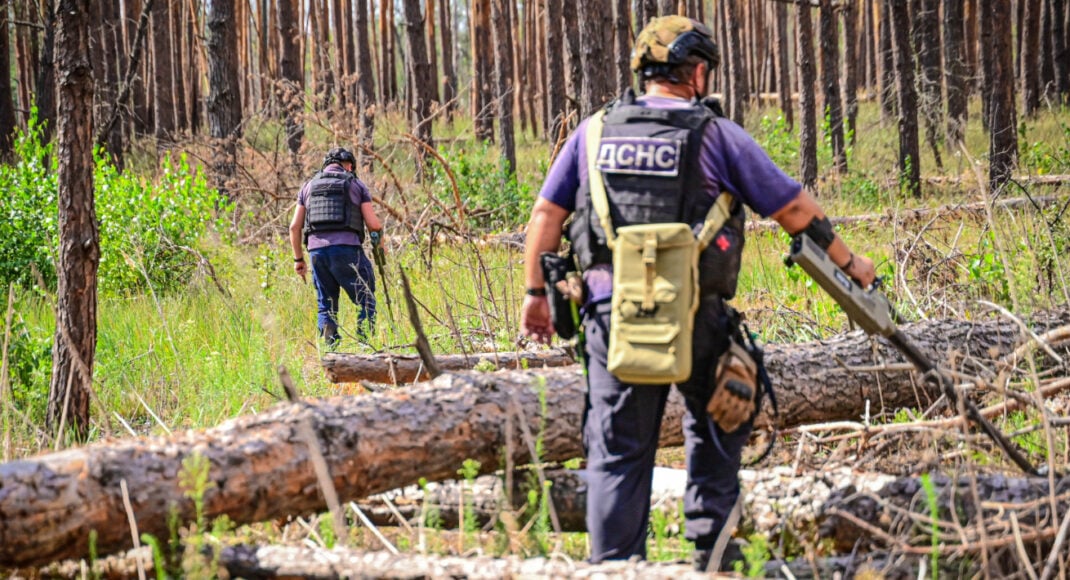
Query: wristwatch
[{"x": 535, "y": 292}]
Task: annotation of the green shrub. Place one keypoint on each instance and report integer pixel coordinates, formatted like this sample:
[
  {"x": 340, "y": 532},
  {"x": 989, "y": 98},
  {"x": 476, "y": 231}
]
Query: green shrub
[{"x": 493, "y": 197}]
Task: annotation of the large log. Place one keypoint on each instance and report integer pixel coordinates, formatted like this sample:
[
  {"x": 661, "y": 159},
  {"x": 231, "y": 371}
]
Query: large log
[
  {"x": 400, "y": 369},
  {"x": 261, "y": 467}
]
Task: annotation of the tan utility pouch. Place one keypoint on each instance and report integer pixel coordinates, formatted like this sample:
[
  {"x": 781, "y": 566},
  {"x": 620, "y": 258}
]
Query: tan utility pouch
[{"x": 655, "y": 285}]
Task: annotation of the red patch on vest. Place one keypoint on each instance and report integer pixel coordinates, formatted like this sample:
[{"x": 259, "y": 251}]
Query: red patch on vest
[{"x": 723, "y": 243}]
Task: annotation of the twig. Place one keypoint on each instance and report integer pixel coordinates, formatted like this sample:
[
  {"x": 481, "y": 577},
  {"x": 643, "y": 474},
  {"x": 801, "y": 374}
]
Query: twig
[
  {"x": 1053, "y": 555},
  {"x": 1026, "y": 564},
  {"x": 422, "y": 346},
  {"x": 151, "y": 413},
  {"x": 133, "y": 526},
  {"x": 530, "y": 442},
  {"x": 1025, "y": 329},
  {"x": 368, "y": 524}
]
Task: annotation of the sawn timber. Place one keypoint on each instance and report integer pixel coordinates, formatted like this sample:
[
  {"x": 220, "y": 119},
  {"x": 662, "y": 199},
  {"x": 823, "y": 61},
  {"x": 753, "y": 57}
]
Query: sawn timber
[{"x": 261, "y": 467}]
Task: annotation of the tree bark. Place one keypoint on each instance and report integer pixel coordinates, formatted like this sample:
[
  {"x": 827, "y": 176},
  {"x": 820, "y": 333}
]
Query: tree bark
[
  {"x": 432, "y": 53},
  {"x": 1003, "y": 125},
  {"x": 321, "y": 59},
  {"x": 596, "y": 21},
  {"x": 7, "y": 99},
  {"x": 224, "y": 93},
  {"x": 804, "y": 53},
  {"x": 420, "y": 68},
  {"x": 46, "y": 74},
  {"x": 555, "y": 68},
  {"x": 1061, "y": 39},
  {"x": 830, "y": 84},
  {"x": 737, "y": 78},
  {"x": 75, "y": 340},
  {"x": 503, "y": 68},
  {"x": 887, "y": 60},
  {"x": 987, "y": 37},
  {"x": 261, "y": 467},
  {"x": 909, "y": 162},
  {"x": 927, "y": 24},
  {"x": 955, "y": 72},
  {"x": 163, "y": 98},
  {"x": 783, "y": 67},
  {"x": 850, "y": 72},
  {"x": 666, "y": 7},
  {"x": 291, "y": 93},
  {"x": 574, "y": 70},
  {"x": 449, "y": 74},
  {"x": 179, "y": 67},
  {"x": 365, "y": 97},
  {"x": 403, "y": 369},
  {"x": 622, "y": 43},
  {"x": 1030, "y": 57},
  {"x": 482, "y": 61}
]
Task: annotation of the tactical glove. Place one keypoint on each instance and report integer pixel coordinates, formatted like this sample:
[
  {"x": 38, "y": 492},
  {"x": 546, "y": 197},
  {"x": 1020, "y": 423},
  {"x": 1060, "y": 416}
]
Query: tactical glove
[{"x": 736, "y": 389}]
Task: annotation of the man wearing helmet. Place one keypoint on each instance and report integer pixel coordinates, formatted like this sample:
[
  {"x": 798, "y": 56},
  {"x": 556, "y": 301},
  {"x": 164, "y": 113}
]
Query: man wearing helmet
[
  {"x": 333, "y": 210},
  {"x": 664, "y": 156}
]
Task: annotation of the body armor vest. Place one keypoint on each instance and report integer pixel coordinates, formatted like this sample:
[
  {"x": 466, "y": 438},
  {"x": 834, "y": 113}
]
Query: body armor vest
[
  {"x": 649, "y": 159},
  {"x": 329, "y": 207}
]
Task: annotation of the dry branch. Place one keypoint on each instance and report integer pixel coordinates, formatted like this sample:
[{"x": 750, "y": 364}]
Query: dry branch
[{"x": 401, "y": 368}]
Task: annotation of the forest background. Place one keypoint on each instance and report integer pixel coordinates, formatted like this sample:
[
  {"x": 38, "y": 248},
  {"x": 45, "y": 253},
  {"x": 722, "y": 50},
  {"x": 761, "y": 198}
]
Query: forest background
[{"x": 208, "y": 115}]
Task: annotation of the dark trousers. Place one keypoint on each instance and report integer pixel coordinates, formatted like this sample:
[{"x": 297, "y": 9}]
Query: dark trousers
[
  {"x": 338, "y": 268},
  {"x": 620, "y": 433}
]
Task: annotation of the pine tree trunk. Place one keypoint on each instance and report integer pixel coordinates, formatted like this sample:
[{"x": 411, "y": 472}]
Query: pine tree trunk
[
  {"x": 987, "y": 57},
  {"x": 555, "y": 68},
  {"x": 622, "y": 42},
  {"x": 666, "y": 7},
  {"x": 830, "y": 83},
  {"x": 46, "y": 74},
  {"x": 1047, "y": 52},
  {"x": 736, "y": 96},
  {"x": 574, "y": 72},
  {"x": 224, "y": 92},
  {"x": 321, "y": 61},
  {"x": 851, "y": 60},
  {"x": 1030, "y": 56},
  {"x": 291, "y": 93},
  {"x": 927, "y": 25},
  {"x": 973, "y": 67},
  {"x": 365, "y": 79},
  {"x": 503, "y": 70},
  {"x": 75, "y": 341},
  {"x": 784, "y": 65},
  {"x": 887, "y": 75},
  {"x": 25, "y": 57},
  {"x": 804, "y": 53},
  {"x": 1060, "y": 37},
  {"x": 955, "y": 73},
  {"x": 349, "y": 44},
  {"x": 432, "y": 53},
  {"x": 193, "y": 38},
  {"x": 179, "y": 68},
  {"x": 449, "y": 74},
  {"x": 596, "y": 18},
  {"x": 163, "y": 98},
  {"x": 481, "y": 60},
  {"x": 7, "y": 99},
  {"x": 909, "y": 170},
  {"x": 1003, "y": 149},
  {"x": 420, "y": 67}
]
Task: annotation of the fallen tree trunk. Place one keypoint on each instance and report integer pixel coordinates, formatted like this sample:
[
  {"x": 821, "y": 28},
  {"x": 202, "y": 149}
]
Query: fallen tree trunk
[
  {"x": 261, "y": 467},
  {"x": 398, "y": 369}
]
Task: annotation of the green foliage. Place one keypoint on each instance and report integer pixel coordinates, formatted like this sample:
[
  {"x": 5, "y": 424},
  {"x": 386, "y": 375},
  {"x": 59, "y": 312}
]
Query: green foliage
[
  {"x": 158, "y": 563},
  {"x": 934, "y": 515},
  {"x": 146, "y": 228},
  {"x": 1046, "y": 154},
  {"x": 493, "y": 197},
  {"x": 193, "y": 479},
  {"x": 986, "y": 268},
  {"x": 755, "y": 556},
  {"x": 432, "y": 515},
  {"x": 29, "y": 365},
  {"x": 778, "y": 140}
]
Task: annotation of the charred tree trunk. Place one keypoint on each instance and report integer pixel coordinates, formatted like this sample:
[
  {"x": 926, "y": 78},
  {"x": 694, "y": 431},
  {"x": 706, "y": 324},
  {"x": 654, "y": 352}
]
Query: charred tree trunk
[
  {"x": 178, "y": 66},
  {"x": 75, "y": 341},
  {"x": 1061, "y": 39},
  {"x": 574, "y": 71},
  {"x": 830, "y": 83},
  {"x": 887, "y": 61},
  {"x": 432, "y": 54},
  {"x": 909, "y": 163},
  {"x": 622, "y": 42},
  {"x": 482, "y": 60},
  {"x": 163, "y": 97},
  {"x": 1030, "y": 57},
  {"x": 420, "y": 67},
  {"x": 449, "y": 74},
  {"x": 349, "y": 58},
  {"x": 365, "y": 97},
  {"x": 987, "y": 35},
  {"x": 736, "y": 95},
  {"x": 224, "y": 93},
  {"x": 596, "y": 20},
  {"x": 46, "y": 74},
  {"x": 260, "y": 466},
  {"x": 927, "y": 24},
  {"x": 850, "y": 72},
  {"x": 555, "y": 68},
  {"x": 1003, "y": 148},
  {"x": 955, "y": 72},
  {"x": 804, "y": 53},
  {"x": 783, "y": 67},
  {"x": 321, "y": 55},
  {"x": 1047, "y": 52},
  {"x": 7, "y": 99},
  {"x": 292, "y": 91},
  {"x": 503, "y": 68}
]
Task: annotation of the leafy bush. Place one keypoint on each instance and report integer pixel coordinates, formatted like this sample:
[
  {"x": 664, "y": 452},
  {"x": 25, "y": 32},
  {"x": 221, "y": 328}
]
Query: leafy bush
[
  {"x": 146, "y": 228},
  {"x": 493, "y": 197}
]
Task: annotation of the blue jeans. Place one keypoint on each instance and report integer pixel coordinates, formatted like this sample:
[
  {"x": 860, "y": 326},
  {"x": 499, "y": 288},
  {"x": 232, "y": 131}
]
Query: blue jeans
[
  {"x": 620, "y": 435},
  {"x": 336, "y": 268}
]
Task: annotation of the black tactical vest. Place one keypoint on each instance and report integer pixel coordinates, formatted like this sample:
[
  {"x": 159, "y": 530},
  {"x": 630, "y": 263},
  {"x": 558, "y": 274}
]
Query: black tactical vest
[
  {"x": 649, "y": 160},
  {"x": 329, "y": 207}
]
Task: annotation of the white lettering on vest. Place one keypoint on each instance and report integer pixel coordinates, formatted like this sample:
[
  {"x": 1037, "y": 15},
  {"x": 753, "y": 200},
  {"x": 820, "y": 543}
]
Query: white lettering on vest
[
  {"x": 666, "y": 157},
  {"x": 626, "y": 155},
  {"x": 644, "y": 155}
]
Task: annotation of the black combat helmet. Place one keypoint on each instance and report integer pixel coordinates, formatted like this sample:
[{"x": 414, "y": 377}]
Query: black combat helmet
[
  {"x": 339, "y": 155},
  {"x": 666, "y": 42}
]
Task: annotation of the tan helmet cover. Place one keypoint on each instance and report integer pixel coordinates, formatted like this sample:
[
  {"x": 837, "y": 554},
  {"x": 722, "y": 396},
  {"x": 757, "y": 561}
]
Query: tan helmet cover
[{"x": 652, "y": 44}]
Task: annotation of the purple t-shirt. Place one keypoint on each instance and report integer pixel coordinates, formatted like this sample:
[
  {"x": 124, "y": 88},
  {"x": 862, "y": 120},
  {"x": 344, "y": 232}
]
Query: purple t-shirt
[
  {"x": 730, "y": 161},
  {"x": 358, "y": 194}
]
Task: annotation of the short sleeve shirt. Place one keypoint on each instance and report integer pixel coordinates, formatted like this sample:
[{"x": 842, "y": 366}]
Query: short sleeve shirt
[
  {"x": 730, "y": 161},
  {"x": 358, "y": 194}
]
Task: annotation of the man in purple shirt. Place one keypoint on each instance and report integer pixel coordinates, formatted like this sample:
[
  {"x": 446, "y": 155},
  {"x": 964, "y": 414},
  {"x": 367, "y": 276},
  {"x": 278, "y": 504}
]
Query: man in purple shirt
[
  {"x": 663, "y": 157},
  {"x": 333, "y": 210}
]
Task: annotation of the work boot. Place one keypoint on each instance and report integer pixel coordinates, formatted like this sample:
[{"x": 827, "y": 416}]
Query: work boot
[
  {"x": 330, "y": 335},
  {"x": 700, "y": 559}
]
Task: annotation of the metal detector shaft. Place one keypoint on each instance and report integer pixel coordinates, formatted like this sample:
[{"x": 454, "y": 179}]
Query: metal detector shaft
[{"x": 871, "y": 310}]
